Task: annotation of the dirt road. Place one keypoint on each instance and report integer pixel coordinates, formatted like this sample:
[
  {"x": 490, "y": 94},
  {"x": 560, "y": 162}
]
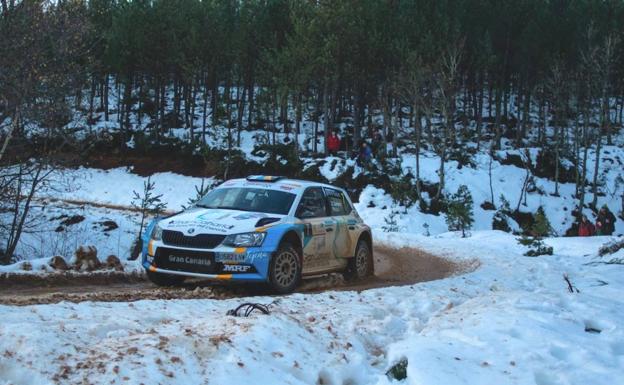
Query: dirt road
[{"x": 392, "y": 267}]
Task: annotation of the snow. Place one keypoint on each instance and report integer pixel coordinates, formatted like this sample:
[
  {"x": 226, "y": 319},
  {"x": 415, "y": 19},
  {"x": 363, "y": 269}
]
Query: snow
[
  {"x": 115, "y": 187},
  {"x": 510, "y": 321},
  {"x": 107, "y": 195},
  {"x": 507, "y": 180}
]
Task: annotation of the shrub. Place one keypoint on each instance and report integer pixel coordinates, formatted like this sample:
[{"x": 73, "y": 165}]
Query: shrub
[
  {"x": 403, "y": 191},
  {"x": 459, "y": 215},
  {"x": 391, "y": 225},
  {"x": 500, "y": 219},
  {"x": 541, "y": 226},
  {"x": 536, "y": 246}
]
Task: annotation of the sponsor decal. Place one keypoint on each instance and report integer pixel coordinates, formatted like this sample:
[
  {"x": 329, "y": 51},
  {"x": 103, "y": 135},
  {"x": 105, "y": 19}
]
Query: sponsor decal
[
  {"x": 229, "y": 257},
  {"x": 216, "y": 215},
  {"x": 249, "y": 257},
  {"x": 241, "y": 217},
  {"x": 236, "y": 268},
  {"x": 202, "y": 225},
  {"x": 307, "y": 230},
  {"x": 253, "y": 255},
  {"x": 189, "y": 260}
]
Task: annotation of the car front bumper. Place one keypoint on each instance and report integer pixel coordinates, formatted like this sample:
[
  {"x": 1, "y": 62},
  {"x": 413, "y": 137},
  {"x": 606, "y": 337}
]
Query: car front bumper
[{"x": 222, "y": 263}]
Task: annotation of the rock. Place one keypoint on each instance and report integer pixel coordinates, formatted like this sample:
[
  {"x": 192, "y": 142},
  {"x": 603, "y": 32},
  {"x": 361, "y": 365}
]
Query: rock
[
  {"x": 26, "y": 266},
  {"x": 112, "y": 262},
  {"x": 72, "y": 220},
  {"x": 58, "y": 263},
  {"x": 108, "y": 225},
  {"x": 86, "y": 259}
]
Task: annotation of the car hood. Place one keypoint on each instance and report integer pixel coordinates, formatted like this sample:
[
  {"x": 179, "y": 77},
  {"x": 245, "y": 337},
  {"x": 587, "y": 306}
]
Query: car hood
[{"x": 215, "y": 221}]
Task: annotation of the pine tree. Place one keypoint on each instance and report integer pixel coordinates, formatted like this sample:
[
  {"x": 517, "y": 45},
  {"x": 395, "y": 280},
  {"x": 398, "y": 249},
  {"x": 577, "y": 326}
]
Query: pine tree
[
  {"x": 541, "y": 227},
  {"x": 459, "y": 215},
  {"x": 499, "y": 221},
  {"x": 201, "y": 191},
  {"x": 147, "y": 203}
]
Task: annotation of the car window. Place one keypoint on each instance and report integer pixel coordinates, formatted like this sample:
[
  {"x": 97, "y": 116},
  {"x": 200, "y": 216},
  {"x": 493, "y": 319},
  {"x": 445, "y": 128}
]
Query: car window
[
  {"x": 249, "y": 199},
  {"x": 312, "y": 204},
  {"x": 337, "y": 202}
]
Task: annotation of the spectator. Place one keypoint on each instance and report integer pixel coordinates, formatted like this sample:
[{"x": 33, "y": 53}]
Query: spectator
[
  {"x": 333, "y": 143},
  {"x": 605, "y": 223},
  {"x": 586, "y": 228},
  {"x": 366, "y": 154}
]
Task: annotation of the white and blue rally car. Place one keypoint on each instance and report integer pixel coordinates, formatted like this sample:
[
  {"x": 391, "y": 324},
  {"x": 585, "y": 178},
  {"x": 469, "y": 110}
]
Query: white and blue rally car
[{"x": 260, "y": 229}]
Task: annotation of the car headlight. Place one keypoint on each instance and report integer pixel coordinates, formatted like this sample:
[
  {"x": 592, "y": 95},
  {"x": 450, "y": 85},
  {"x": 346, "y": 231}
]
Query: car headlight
[
  {"x": 156, "y": 233},
  {"x": 244, "y": 239}
]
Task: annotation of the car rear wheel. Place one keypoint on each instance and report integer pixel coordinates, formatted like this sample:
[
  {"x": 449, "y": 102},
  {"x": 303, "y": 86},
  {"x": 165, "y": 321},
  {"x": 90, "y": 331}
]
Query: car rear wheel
[
  {"x": 285, "y": 269},
  {"x": 361, "y": 265},
  {"x": 165, "y": 279}
]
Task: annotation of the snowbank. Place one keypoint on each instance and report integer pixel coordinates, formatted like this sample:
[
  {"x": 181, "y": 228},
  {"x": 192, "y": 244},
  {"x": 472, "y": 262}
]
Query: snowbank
[{"x": 512, "y": 321}]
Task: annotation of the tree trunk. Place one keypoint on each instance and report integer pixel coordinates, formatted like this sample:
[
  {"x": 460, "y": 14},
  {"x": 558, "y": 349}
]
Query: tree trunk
[
  {"x": 596, "y": 170},
  {"x": 326, "y": 117},
  {"x": 105, "y": 97},
  {"x": 418, "y": 126},
  {"x": 239, "y": 116},
  {"x": 205, "y": 112}
]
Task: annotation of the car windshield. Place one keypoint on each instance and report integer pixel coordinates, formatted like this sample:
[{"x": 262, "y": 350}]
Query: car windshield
[{"x": 248, "y": 199}]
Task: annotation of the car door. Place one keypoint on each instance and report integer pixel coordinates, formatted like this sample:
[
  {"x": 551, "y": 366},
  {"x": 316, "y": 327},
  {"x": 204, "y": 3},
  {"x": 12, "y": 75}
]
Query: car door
[
  {"x": 319, "y": 230},
  {"x": 339, "y": 210}
]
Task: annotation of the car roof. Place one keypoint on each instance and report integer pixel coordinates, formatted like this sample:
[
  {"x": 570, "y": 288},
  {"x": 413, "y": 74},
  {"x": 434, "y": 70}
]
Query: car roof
[{"x": 292, "y": 185}]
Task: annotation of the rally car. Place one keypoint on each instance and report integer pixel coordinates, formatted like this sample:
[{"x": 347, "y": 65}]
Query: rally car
[{"x": 260, "y": 229}]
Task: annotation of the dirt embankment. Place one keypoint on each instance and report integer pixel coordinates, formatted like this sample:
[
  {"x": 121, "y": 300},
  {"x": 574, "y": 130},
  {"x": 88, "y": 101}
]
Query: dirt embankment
[{"x": 392, "y": 267}]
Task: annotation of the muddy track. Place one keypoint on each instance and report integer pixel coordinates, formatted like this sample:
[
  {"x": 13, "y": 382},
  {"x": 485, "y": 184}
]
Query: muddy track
[{"x": 392, "y": 267}]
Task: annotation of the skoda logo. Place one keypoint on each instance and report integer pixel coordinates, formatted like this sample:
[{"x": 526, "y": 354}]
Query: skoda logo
[{"x": 190, "y": 231}]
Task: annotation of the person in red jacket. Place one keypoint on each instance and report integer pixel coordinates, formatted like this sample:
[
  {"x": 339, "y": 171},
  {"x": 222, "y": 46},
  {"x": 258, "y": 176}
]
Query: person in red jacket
[
  {"x": 333, "y": 143},
  {"x": 586, "y": 228}
]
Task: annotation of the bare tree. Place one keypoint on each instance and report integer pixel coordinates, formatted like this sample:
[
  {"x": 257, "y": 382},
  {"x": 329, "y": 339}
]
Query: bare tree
[
  {"x": 557, "y": 92},
  {"x": 413, "y": 86},
  {"x": 18, "y": 187},
  {"x": 42, "y": 43},
  {"x": 446, "y": 88}
]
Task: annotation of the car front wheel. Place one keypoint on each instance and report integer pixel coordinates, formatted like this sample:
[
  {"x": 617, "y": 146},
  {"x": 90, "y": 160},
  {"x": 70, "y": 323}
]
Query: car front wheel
[
  {"x": 285, "y": 269},
  {"x": 361, "y": 265}
]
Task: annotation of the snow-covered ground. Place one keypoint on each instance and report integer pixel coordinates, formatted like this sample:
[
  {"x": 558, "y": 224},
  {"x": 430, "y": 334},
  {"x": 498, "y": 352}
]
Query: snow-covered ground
[
  {"x": 84, "y": 191},
  {"x": 511, "y": 321},
  {"x": 507, "y": 180}
]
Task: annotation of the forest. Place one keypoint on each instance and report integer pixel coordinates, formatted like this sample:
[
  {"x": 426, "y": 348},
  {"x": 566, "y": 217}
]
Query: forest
[
  {"x": 248, "y": 63},
  {"x": 452, "y": 77}
]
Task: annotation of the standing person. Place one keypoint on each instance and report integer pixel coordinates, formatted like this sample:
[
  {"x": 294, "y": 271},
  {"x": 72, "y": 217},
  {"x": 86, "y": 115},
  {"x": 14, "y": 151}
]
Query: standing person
[
  {"x": 378, "y": 141},
  {"x": 605, "y": 223},
  {"x": 586, "y": 228},
  {"x": 366, "y": 154},
  {"x": 333, "y": 143}
]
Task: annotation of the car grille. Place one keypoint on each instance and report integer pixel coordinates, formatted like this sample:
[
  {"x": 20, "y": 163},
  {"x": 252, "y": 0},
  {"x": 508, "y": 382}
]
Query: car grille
[
  {"x": 186, "y": 260},
  {"x": 199, "y": 241}
]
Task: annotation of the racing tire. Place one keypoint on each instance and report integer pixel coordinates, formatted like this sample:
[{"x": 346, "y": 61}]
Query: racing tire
[
  {"x": 361, "y": 265},
  {"x": 285, "y": 269},
  {"x": 160, "y": 279}
]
